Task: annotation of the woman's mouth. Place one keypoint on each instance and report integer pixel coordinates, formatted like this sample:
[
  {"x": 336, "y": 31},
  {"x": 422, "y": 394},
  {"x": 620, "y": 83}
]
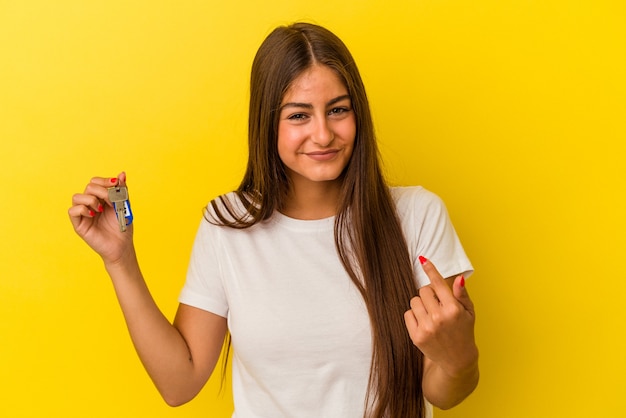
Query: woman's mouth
[{"x": 325, "y": 155}]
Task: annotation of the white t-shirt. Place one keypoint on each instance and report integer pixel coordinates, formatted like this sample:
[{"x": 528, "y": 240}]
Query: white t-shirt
[{"x": 300, "y": 330}]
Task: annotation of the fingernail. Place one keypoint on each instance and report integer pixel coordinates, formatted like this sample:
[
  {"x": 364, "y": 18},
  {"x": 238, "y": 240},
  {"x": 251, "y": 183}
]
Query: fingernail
[
  {"x": 422, "y": 259},
  {"x": 462, "y": 281},
  {"x": 100, "y": 208},
  {"x": 92, "y": 213},
  {"x": 113, "y": 179}
]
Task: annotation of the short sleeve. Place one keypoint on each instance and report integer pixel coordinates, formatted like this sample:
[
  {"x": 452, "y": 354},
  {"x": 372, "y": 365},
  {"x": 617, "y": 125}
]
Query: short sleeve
[
  {"x": 430, "y": 233},
  {"x": 203, "y": 287}
]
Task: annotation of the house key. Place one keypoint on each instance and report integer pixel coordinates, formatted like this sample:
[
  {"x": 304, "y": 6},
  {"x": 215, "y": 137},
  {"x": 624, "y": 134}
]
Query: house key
[{"x": 119, "y": 197}]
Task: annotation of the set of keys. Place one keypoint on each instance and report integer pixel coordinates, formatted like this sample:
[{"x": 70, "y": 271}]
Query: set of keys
[{"x": 119, "y": 197}]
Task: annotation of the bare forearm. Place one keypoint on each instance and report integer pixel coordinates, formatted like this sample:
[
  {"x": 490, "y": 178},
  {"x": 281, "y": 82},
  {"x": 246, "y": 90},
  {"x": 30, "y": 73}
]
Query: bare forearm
[
  {"x": 161, "y": 348},
  {"x": 165, "y": 349},
  {"x": 446, "y": 390}
]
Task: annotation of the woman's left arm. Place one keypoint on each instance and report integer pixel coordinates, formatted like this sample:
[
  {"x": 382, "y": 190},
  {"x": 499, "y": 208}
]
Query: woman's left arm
[{"x": 441, "y": 324}]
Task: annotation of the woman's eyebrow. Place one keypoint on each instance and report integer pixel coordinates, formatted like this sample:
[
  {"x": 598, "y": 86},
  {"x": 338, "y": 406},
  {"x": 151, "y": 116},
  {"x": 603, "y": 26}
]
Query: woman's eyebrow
[
  {"x": 338, "y": 99},
  {"x": 310, "y": 106},
  {"x": 296, "y": 104}
]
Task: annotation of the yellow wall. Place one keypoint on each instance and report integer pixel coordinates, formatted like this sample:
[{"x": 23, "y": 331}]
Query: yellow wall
[{"x": 513, "y": 111}]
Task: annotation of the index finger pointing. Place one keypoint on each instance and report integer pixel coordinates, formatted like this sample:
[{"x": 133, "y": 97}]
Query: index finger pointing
[{"x": 437, "y": 282}]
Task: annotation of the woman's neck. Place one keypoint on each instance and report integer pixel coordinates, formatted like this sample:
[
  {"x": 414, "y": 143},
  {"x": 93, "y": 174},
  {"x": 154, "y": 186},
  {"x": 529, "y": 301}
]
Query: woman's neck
[{"x": 313, "y": 200}]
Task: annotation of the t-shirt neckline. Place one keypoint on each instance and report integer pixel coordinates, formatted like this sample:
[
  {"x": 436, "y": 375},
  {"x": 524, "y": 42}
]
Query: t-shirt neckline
[{"x": 303, "y": 224}]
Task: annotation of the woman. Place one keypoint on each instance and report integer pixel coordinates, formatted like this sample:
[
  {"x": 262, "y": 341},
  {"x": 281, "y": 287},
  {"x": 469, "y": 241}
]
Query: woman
[{"x": 312, "y": 264}]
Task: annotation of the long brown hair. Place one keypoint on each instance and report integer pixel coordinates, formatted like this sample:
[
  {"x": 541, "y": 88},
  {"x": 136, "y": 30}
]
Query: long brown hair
[{"x": 368, "y": 235}]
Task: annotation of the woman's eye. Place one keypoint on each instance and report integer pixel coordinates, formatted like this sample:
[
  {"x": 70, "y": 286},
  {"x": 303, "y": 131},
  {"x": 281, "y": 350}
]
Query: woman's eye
[
  {"x": 338, "y": 110},
  {"x": 297, "y": 116}
]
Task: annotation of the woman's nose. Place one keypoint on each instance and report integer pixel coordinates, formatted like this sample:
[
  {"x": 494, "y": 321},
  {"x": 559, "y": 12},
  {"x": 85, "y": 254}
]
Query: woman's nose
[{"x": 323, "y": 135}]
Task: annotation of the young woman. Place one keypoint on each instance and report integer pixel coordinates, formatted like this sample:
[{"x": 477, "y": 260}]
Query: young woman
[{"x": 312, "y": 265}]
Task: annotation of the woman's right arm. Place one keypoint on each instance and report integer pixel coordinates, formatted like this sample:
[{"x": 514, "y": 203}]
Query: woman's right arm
[{"x": 179, "y": 357}]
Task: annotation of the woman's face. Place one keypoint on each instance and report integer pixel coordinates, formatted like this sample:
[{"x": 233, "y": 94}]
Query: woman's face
[{"x": 317, "y": 127}]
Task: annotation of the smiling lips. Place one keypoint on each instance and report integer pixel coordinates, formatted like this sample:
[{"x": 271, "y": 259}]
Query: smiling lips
[{"x": 322, "y": 155}]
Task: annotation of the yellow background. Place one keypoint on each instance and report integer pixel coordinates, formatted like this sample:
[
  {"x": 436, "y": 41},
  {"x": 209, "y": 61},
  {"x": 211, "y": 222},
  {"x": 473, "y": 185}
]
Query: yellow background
[{"x": 512, "y": 111}]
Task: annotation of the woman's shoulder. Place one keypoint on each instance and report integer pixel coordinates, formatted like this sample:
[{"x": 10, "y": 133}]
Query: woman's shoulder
[
  {"x": 226, "y": 198},
  {"x": 227, "y": 208},
  {"x": 414, "y": 196},
  {"x": 417, "y": 204}
]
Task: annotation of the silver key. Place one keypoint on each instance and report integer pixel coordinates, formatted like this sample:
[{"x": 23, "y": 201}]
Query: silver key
[{"x": 118, "y": 196}]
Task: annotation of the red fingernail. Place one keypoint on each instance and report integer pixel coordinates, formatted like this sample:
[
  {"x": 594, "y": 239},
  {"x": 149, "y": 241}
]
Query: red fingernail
[
  {"x": 462, "y": 281},
  {"x": 113, "y": 179},
  {"x": 422, "y": 259},
  {"x": 100, "y": 208},
  {"x": 92, "y": 213}
]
